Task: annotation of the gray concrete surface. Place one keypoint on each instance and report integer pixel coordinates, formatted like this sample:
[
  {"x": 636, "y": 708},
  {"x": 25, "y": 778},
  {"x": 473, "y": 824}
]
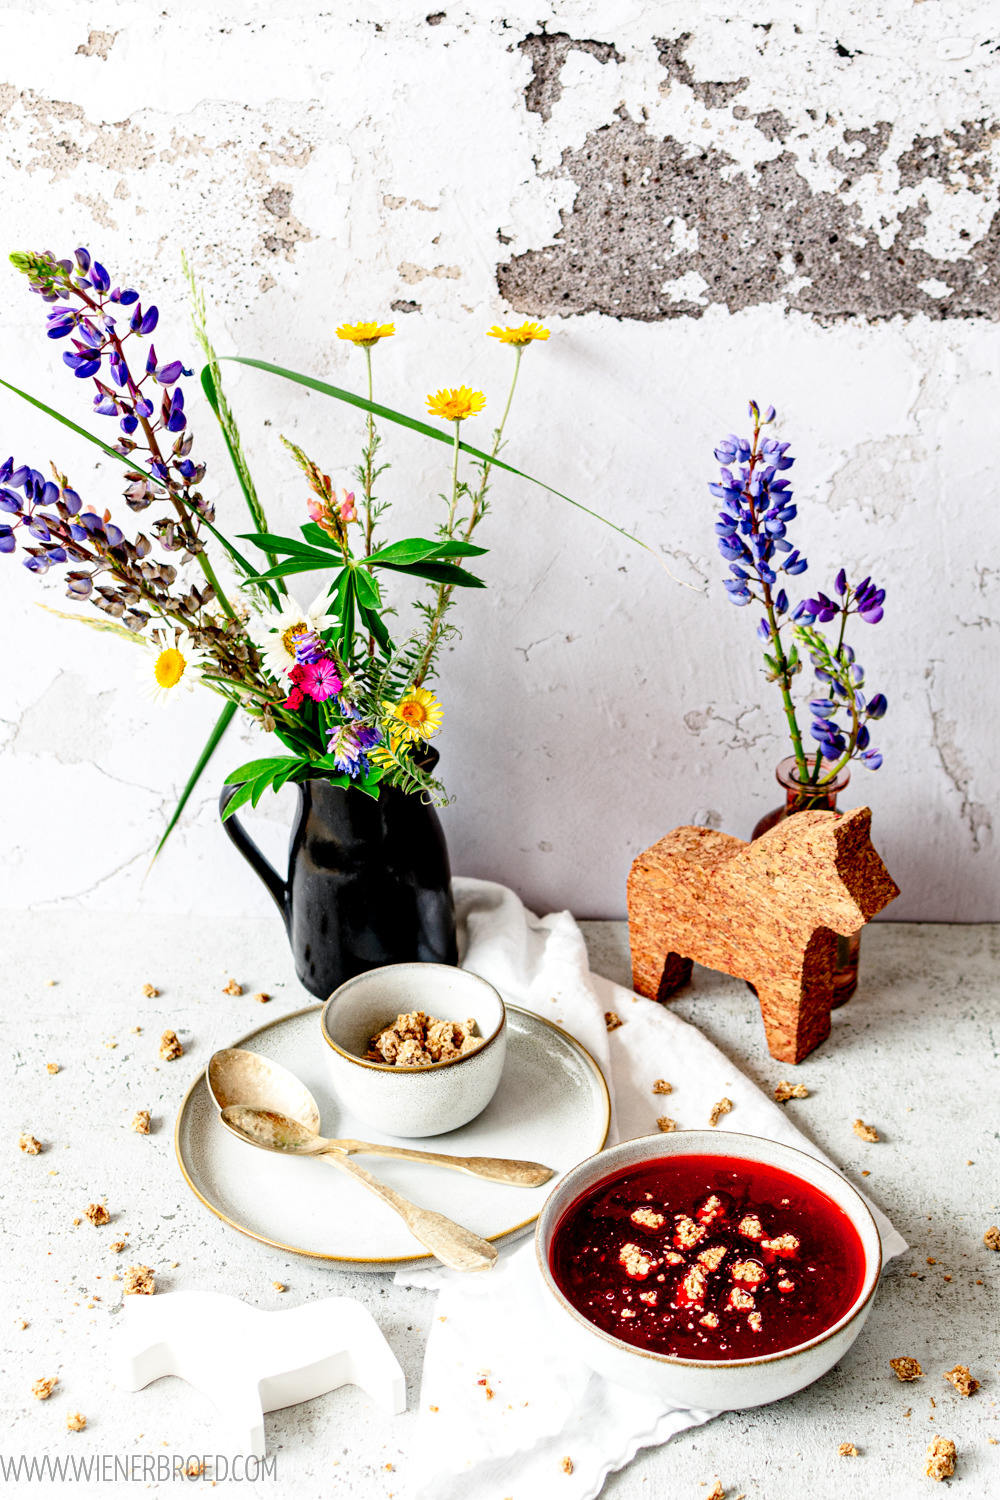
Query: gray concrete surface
[{"x": 914, "y": 1053}]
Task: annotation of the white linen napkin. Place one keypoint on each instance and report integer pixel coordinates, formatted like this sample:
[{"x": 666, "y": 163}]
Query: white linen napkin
[{"x": 545, "y": 1406}]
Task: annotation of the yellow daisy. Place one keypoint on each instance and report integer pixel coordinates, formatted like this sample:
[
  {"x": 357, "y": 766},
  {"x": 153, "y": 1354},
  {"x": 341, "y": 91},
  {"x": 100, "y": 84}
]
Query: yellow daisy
[
  {"x": 455, "y": 404},
  {"x": 417, "y": 716},
  {"x": 522, "y": 335},
  {"x": 365, "y": 334}
]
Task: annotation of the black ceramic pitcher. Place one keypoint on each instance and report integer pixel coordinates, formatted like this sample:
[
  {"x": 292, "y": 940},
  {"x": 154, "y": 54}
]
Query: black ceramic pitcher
[{"x": 368, "y": 882}]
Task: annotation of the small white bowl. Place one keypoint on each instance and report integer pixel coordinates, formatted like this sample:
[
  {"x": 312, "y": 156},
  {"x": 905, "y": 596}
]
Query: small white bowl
[
  {"x": 715, "y": 1385},
  {"x": 427, "y": 1100}
]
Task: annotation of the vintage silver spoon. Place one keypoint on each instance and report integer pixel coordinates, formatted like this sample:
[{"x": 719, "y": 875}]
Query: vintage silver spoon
[
  {"x": 236, "y": 1076},
  {"x": 452, "y": 1243}
]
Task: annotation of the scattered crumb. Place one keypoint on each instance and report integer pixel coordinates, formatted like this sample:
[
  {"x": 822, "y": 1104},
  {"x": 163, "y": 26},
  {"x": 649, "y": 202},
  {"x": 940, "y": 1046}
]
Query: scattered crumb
[
  {"x": 75, "y": 1421},
  {"x": 194, "y": 1468},
  {"x": 566, "y": 1464},
  {"x": 991, "y": 1239},
  {"x": 279, "y": 1286},
  {"x": 140, "y": 1123},
  {"x": 136, "y": 1030},
  {"x": 931, "y": 1261},
  {"x": 117, "y": 1246},
  {"x": 784, "y": 1091},
  {"x": 865, "y": 1132},
  {"x": 77, "y": 1221},
  {"x": 52, "y": 1067},
  {"x": 962, "y": 1380},
  {"x": 716, "y": 1492},
  {"x": 739, "y": 1301},
  {"x": 755, "y": 1321},
  {"x": 29, "y": 1145},
  {"x": 648, "y": 1217},
  {"x": 946, "y": 1278},
  {"x": 170, "y": 1047},
  {"x": 433, "y": 1408},
  {"x": 96, "y": 1213},
  {"x": 866, "y": 1173},
  {"x": 232, "y": 988},
  {"x": 750, "y": 1227},
  {"x": 139, "y": 1282},
  {"x": 906, "y": 1368},
  {"x": 940, "y": 1459},
  {"x": 710, "y": 1320},
  {"x": 417, "y": 1040},
  {"x": 665, "y": 1124},
  {"x": 661, "y": 1086},
  {"x": 612, "y": 1020},
  {"x": 150, "y": 991},
  {"x": 261, "y": 997},
  {"x": 847, "y": 1450},
  {"x": 718, "y": 1110},
  {"x": 21, "y": 1323},
  {"x": 648, "y": 1297},
  {"x": 43, "y": 1388}
]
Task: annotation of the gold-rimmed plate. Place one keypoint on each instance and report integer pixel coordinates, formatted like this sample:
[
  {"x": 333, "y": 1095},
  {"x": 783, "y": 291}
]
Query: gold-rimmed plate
[{"x": 551, "y": 1106}]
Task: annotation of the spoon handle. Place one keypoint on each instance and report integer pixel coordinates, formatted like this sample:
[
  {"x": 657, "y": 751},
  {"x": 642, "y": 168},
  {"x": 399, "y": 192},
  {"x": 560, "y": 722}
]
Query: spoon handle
[
  {"x": 495, "y": 1168},
  {"x": 453, "y": 1245}
]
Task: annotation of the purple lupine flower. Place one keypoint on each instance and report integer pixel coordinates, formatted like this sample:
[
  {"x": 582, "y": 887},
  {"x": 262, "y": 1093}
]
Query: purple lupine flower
[{"x": 877, "y": 706}]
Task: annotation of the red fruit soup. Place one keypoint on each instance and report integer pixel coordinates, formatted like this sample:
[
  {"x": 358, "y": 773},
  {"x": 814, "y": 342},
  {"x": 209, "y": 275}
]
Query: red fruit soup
[{"x": 708, "y": 1257}]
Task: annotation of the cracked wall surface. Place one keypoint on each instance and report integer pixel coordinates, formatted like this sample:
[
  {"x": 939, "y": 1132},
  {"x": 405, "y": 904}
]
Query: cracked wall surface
[{"x": 704, "y": 203}]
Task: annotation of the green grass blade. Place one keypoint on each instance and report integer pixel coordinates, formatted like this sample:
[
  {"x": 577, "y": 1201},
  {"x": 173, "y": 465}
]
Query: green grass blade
[
  {"x": 74, "y": 427},
  {"x": 211, "y": 745},
  {"x": 439, "y": 436}
]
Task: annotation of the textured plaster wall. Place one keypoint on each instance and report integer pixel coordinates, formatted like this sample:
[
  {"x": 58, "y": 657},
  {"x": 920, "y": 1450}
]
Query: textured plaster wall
[{"x": 795, "y": 201}]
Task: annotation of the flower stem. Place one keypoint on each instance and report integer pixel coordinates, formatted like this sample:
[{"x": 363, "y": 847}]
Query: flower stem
[
  {"x": 445, "y": 591},
  {"x": 369, "y": 455}
]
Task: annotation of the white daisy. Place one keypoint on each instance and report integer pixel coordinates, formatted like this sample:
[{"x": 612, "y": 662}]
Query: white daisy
[
  {"x": 172, "y": 663},
  {"x": 275, "y": 631}
]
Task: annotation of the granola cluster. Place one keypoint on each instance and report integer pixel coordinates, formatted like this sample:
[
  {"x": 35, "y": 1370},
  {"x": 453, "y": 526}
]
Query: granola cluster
[
  {"x": 139, "y": 1281},
  {"x": 704, "y": 1277},
  {"x": 941, "y": 1456},
  {"x": 417, "y": 1039}
]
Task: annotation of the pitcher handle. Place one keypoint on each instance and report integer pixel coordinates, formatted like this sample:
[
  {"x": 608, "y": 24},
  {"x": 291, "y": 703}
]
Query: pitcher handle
[{"x": 277, "y": 887}]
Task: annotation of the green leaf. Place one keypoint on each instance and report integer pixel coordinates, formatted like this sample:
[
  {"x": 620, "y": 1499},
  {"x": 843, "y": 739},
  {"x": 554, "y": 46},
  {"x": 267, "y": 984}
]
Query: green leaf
[
  {"x": 255, "y": 768},
  {"x": 439, "y": 436},
  {"x": 294, "y": 768},
  {"x": 294, "y": 565},
  {"x": 211, "y": 744},
  {"x": 242, "y": 795},
  {"x": 97, "y": 623},
  {"x": 375, "y": 625},
  {"x": 320, "y": 538},
  {"x": 440, "y": 572},
  {"x": 366, "y": 589},
  {"x": 418, "y": 549},
  {"x": 288, "y": 546}
]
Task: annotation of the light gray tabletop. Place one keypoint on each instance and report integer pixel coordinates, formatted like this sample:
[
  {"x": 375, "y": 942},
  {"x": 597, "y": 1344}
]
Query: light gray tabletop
[{"x": 915, "y": 1053}]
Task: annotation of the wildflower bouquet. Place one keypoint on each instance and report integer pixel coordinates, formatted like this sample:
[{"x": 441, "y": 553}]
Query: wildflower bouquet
[
  {"x": 752, "y": 532},
  {"x": 346, "y": 699}
]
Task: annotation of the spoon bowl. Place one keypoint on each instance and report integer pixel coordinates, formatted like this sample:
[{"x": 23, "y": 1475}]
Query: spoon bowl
[{"x": 236, "y": 1076}]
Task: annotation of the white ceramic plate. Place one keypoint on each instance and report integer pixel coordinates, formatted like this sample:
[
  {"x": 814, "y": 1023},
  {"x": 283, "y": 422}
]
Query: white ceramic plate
[{"x": 551, "y": 1106}]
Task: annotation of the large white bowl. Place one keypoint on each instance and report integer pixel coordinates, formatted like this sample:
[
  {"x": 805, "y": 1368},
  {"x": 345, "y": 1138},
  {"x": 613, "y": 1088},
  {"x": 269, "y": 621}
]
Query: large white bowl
[
  {"x": 723, "y": 1384},
  {"x": 436, "y": 1097}
]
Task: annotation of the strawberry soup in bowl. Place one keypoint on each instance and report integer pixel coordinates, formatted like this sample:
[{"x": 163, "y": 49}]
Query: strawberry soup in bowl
[{"x": 714, "y": 1269}]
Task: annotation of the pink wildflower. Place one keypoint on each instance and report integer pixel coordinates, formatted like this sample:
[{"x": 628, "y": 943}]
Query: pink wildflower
[
  {"x": 315, "y": 510},
  {"x": 319, "y": 679},
  {"x": 294, "y": 699},
  {"x": 348, "y": 510}
]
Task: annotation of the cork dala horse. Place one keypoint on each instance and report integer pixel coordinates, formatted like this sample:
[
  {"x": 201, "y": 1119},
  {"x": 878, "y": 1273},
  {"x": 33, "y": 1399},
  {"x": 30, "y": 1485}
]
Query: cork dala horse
[{"x": 767, "y": 912}]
